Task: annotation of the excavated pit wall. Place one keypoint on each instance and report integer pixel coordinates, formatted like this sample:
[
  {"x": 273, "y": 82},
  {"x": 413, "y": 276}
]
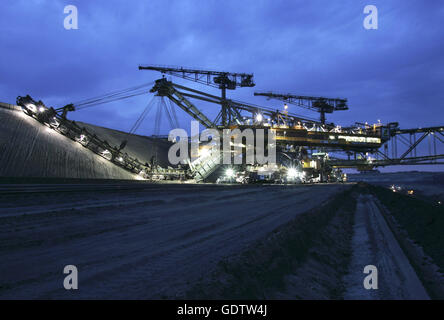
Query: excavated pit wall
[{"x": 30, "y": 149}]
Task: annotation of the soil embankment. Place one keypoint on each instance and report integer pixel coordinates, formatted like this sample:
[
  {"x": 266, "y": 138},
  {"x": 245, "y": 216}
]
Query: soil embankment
[
  {"x": 29, "y": 149},
  {"x": 322, "y": 253}
]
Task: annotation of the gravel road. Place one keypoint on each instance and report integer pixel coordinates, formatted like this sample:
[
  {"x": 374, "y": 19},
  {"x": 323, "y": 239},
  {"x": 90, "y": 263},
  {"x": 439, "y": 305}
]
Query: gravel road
[
  {"x": 145, "y": 243},
  {"x": 374, "y": 244}
]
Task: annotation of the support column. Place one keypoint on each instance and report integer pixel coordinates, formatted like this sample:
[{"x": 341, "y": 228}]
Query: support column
[{"x": 224, "y": 106}]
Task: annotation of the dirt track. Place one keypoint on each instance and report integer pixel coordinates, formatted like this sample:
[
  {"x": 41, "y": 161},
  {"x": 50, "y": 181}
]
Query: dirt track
[
  {"x": 374, "y": 244},
  {"x": 149, "y": 243}
]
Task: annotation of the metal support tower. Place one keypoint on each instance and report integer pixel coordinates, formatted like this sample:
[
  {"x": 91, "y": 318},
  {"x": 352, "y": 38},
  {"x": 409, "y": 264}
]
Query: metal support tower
[
  {"x": 319, "y": 104},
  {"x": 218, "y": 79}
]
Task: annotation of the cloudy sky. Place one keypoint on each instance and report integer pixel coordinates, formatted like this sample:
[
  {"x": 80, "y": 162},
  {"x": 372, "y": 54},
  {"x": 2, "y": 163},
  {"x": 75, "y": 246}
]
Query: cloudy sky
[{"x": 314, "y": 47}]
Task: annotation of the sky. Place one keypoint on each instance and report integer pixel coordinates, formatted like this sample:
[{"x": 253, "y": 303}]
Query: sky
[{"x": 310, "y": 47}]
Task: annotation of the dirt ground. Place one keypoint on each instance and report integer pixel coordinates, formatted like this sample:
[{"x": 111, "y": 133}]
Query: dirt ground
[
  {"x": 322, "y": 254},
  {"x": 152, "y": 243},
  {"x": 374, "y": 244},
  {"x": 304, "y": 259}
]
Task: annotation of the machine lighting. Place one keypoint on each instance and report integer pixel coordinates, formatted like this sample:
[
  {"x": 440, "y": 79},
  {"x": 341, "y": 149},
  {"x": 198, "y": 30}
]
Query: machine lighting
[
  {"x": 31, "y": 107},
  {"x": 54, "y": 123},
  {"x": 259, "y": 117},
  {"x": 42, "y": 109},
  {"x": 141, "y": 175},
  {"x": 229, "y": 173},
  {"x": 82, "y": 139},
  {"x": 106, "y": 154},
  {"x": 285, "y": 106},
  {"x": 292, "y": 173},
  {"x": 204, "y": 152},
  {"x": 361, "y": 139}
]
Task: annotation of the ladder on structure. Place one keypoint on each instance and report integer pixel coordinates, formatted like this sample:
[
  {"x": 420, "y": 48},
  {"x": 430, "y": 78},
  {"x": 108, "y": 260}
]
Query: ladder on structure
[{"x": 204, "y": 166}]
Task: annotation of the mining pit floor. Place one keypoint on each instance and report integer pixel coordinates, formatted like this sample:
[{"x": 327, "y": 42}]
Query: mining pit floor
[
  {"x": 169, "y": 241},
  {"x": 136, "y": 243},
  {"x": 61, "y": 204}
]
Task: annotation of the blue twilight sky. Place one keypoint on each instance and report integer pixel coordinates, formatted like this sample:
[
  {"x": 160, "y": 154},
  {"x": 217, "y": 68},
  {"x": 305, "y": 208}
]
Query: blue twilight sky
[{"x": 314, "y": 47}]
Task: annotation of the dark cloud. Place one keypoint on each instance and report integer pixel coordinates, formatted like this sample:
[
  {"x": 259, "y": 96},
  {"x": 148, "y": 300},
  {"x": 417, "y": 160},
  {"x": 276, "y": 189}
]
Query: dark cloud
[{"x": 314, "y": 47}]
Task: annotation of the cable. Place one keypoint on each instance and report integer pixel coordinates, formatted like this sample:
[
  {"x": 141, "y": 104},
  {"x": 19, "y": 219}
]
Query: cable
[
  {"x": 111, "y": 100},
  {"x": 170, "y": 119},
  {"x": 158, "y": 118},
  {"x": 173, "y": 112},
  {"x": 111, "y": 94},
  {"x": 141, "y": 117}
]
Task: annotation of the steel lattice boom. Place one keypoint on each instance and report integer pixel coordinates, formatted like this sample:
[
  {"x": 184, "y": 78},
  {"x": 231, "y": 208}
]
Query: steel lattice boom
[
  {"x": 289, "y": 128},
  {"x": 312, "y": 146},
  {"x": 217, "y": 79},
  {"x": 319, "y": 104}
]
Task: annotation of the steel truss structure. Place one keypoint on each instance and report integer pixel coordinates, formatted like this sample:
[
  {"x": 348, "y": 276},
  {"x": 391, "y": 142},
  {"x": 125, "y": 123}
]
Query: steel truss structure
[
  {"x": 418, "y": 146},
  {"x": 58, "y": 122},
  {"x": 289, "y": 128},
  {"x": 365, "y": 146},
  {"x": 319, "y": 104}
]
